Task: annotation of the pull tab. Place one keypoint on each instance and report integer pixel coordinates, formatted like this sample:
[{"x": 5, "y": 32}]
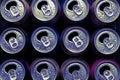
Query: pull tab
[
  {"x": 108, "y": 11},
  {"x": 77, "y": 9},
  {"x": 45, "y": 41},
  {"x": 45, "y": 74},
  {"x": 13, "y": 42},
  {"x": 77, "y": 41},
  {"x": 12, "y": 74},
  {"x": 108, "y": 43},
  {"x": 14, "y": 11},
  {"x": 46, "y": 10},
  {"x": 108, "y": 75},
  {"x": 76, "y": 75}
]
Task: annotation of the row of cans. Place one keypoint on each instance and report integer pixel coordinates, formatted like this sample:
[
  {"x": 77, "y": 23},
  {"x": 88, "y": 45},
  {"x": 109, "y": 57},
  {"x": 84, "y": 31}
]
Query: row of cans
[
  {"x": 105, "y": 11},
  {"x": 74, "y": 40},
  {"x": 72, "y": 69}
]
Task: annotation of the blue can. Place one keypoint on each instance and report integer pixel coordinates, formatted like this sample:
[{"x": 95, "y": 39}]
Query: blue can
[
  {"x": 106, "y": 41},
  {"x": 75, "y": 69},
  {"x": 45, "y": 10},
  {"x": 12, "y": 70},
  {"x": 106, "y": 11},
  {"x": 76, "y": 10},
  {"x": 44, "y": 69},
  {"x": 75, "y": 39},
  {"x": 12, "y": 40},
  {"x": 44, "y": 39},
  {"x": 14, "y": 10},
  {"x": 106, "y": 70}
]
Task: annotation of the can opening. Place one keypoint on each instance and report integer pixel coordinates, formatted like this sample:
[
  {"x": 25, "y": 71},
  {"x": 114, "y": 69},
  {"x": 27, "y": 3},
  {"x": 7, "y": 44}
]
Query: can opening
[
  {"x": 103, "y": 69},
  {"x": 41, "y": 34},
  {"x": 70, "y": 6},
  {"x": 11, "y": 66},
  {"x": 40, "y": 67},
  {"x": 105, "y": 4},
  {"x": 40, "y": 4},
  {"x": 8, "y": 36},
  {"x": 12, "y": 3},
  {"x": 103, "y": 36},
  {"x": 72, "y": 35},
  {"x": 74, "y": 67}
]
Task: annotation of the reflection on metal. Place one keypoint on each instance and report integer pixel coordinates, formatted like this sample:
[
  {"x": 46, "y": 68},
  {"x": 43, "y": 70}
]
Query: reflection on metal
[
  {"x": 107, "y": 41},
  {"x": 44, "y": 39},
  {"x": 76, "y": 10},
  {"x": 106, "y": 11},
  {"x": 44, "y": 69},
  {"x": 13, "y": 10},
  {"x": 12, "y": 40},
  {"x": 45, "y": 10},
  {"x": 75, "y": 39}
]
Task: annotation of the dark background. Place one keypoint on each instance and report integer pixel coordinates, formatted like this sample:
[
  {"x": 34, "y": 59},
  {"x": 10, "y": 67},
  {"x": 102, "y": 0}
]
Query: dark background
[{"x": 29, "y": 54}]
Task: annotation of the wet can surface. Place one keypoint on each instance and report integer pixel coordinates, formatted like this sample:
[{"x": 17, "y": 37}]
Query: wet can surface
[
  {"x": 12, "y": 40},
  {"x": 44, "y": 39},
  {"x": 75, "y": 69},
  {"x": 107, "y": 41},
  {"x": 13, "y": 10},
  {"x": 12, "y": 70},
  {"x": 44, "y": 69},
  {"x": 106, "y": 70},
  {"x": 76, "y": 10},
  {"x": 75, "y": 39}
]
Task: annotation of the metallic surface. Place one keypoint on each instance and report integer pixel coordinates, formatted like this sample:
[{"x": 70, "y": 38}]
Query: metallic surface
[
  {"x": 75, "y": 69},
  {"x": 75, "y": 39},
  {"x": 76, "y": 10},
  {"x": 13, "y": 10},
  {"x": 106, "y": 70},
  {"x": 12, "y": 70},
  {"x": 12, "y": 40},
  {"x": 44, "y": 10},
  {"x": 107, "y": 41},
  {"x": 44, "y": 39},
  {"x": 44, "y": 69},
  {"x": 107, "y": 11}
]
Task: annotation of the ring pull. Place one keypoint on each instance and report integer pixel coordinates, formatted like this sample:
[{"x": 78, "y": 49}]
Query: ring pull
[
  {"x": 109, "y": 11},
  {"x": 45, "y": 41},
  {"x": 13, "y": 42},
  {"x": 76, "y": 75},
  {"x": 108, "y": 75},
  {"x": 12, "y": 74},
  {"x": 75, "y": 7},
  {"x": 45, "y": 74},
  {"x": 45, "y": 8},
  {"x": 77, "y": 41},
  {"x": 12, "y": 7},
  {"x": 14, "y": 10},
  {"x": 108, "y": 43},
  {"x": 77, "y": 10}
]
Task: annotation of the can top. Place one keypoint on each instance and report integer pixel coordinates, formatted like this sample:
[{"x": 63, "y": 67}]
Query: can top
[
  {"x": 107, "y": 11},
  {"x": 13, "y": 10},
  {"x": 107, "y": 41},
  {"x": 44, "y": 10},
  {"x": 76, "y": 10}
]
